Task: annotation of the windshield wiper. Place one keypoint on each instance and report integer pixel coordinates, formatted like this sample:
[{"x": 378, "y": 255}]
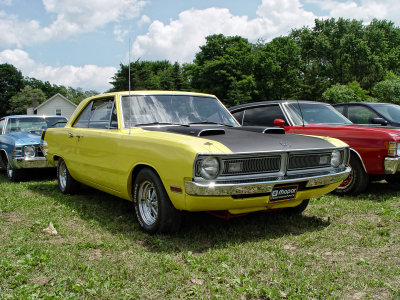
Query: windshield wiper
[
  {"x": 160, "y": 123},
  {"x": 207, "y": 122}
]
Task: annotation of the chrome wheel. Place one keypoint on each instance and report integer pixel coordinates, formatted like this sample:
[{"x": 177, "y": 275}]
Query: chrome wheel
[
  {"x": 148, "y": 203},
  {"x": 347, "y": 182},
  {"x": 66, "y": 183},
  {"x": 62, "y": 175}
]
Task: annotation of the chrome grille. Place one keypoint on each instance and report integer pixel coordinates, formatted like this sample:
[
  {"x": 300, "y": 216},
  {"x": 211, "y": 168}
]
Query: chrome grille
[
  {"x": 309, "y": 160},
  {"x": 252, "y": 165}
]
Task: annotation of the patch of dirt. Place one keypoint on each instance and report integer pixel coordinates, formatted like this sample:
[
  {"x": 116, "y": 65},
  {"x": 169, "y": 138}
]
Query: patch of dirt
[
  {"x": 11, "y": 217},
  {"x": 41, "y": 280}
]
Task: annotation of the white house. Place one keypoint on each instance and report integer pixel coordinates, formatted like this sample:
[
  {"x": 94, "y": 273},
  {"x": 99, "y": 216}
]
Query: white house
[{"x": 56, "y": 105}]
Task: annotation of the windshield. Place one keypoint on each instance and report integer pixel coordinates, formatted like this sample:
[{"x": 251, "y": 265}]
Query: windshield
[
  {"x": 389, "y": 111},
  {"x": 140, "y": 110},
  {"x": 313, "y": 113},
  {"x": 31, "y": 124}
]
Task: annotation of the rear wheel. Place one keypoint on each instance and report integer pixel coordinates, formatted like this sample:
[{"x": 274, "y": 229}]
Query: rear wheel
[
  {"x": 13, "y": 174},
  {"x": 66, "y": 183},
  {"x": 356, "y": 182},
  {"x": 153, "y": 208}
]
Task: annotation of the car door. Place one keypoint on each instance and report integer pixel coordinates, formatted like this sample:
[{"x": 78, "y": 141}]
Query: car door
[
  {"x": 360, "y": 114},
  {"x": 95, "y": 135}
]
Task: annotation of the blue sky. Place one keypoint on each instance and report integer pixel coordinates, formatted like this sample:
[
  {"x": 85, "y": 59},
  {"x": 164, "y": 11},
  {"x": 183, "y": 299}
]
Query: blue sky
[{"x": 80, "y": 43}]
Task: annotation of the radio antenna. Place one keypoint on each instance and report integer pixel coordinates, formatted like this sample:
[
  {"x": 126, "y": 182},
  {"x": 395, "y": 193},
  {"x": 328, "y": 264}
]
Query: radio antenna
[
  {"x": 301, "y": 113},
  {"x": 129, "y": 67},
  {"x": 129, "y": 85}
]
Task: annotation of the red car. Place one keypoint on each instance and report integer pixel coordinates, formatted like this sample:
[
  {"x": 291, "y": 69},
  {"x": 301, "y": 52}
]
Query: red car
[{"x": 375, "y": 152}]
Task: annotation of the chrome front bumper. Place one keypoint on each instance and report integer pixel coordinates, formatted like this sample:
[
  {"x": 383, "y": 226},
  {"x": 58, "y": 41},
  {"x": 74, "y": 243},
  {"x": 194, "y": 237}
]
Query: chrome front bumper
[
  {"x": 34, "y": 162},
  {"x": 392, "y": 165},
  {"x": 218, "y": 189}
]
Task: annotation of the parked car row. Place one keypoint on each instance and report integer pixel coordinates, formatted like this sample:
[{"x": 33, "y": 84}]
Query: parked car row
[
  {"x": 170, "y": 152},
  {"x": 374, "y": 151},
  {"x": 20, "y": 141}
]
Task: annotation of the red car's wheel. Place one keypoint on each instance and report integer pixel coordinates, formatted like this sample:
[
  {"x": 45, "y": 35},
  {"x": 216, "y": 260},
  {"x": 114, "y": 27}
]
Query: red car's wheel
[{"x": 356, "y": 182}]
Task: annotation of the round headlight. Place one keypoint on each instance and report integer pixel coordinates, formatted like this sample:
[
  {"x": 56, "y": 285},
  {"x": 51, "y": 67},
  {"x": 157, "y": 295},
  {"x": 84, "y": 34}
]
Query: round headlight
[
  {"x": 336, "y": 158},
  {"x": 209, "y": 168},
  {"x": 29, "y": 151}
]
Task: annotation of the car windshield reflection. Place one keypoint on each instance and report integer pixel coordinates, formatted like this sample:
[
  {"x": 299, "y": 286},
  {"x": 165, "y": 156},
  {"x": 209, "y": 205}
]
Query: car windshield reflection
[
  {"x": 147, "y": 110},
  {"x": 33, "y": 124},
  {"x": 313, "y": 113},
  {"x": 389, "y": 111}
]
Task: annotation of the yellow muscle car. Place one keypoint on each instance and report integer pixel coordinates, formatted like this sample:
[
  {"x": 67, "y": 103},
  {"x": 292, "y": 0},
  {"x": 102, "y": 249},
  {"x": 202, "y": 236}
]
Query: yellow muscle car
[{"x": 176, "y": 151}]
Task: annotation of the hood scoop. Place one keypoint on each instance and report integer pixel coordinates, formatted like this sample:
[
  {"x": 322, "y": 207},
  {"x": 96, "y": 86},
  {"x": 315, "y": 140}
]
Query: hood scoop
[
  {"x": 195, "y": 131},
  {"x": 214, "y": 131}
]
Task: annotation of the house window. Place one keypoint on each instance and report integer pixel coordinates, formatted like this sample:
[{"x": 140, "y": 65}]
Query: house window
[{"x": 58, "y": 111}]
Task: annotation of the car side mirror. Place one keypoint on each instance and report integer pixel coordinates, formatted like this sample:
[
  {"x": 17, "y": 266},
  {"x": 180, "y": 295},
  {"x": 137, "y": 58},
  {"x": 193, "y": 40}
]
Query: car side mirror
[
  {"x": 379, "y": 121},
  {"x": 279, "y": 123}
]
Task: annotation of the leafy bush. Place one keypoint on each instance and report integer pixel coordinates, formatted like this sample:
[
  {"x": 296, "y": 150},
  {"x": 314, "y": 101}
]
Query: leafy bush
[{"x": 352, "y": 92}]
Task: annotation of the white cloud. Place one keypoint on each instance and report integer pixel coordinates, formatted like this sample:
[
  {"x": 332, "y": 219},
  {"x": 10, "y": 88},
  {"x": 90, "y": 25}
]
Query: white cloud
[
  {"x": 365, "y": 10},
  {"x": 144, "y": 20},
  {"x": 72, "y": 17},
  {"x": 87, "y": 77},
  {"x": 180, "y": 39}
]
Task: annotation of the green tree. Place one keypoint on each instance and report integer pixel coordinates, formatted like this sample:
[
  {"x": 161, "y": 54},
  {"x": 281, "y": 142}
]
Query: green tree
[
  {"x": 277, "y": 69},
  {"x": 26, "y": 98},
  {"x": 337, "y": 52},
  {"x": 224, "y": 67},
  {"x": 147, "y": 75},
  {"x": 388, "y": 90},
  {"x": 47, "y": 88},
  {"x": 11, "y": 81},
  {"x": 352, "y": 92}
]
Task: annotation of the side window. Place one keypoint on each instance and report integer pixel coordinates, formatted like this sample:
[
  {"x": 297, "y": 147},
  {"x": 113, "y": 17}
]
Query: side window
[
  {"x": 360, "y": 115},
  {"x": 263, "y": 116},
  {"x": 1, "y": 125},
  {"x": 99, "y": 113},
  {"x": 340, "y": 109},
  {"x": 239, "y": 116},
  {"x": 83, "y": 119}
]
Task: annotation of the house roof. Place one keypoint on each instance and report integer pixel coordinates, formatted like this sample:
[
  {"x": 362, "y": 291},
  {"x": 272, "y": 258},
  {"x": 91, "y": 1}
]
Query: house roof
[{"x": 52, "y": 98}]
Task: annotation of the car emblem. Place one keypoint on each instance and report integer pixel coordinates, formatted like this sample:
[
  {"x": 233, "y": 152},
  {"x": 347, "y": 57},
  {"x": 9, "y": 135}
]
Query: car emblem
[{"x": 284, "y": 144}]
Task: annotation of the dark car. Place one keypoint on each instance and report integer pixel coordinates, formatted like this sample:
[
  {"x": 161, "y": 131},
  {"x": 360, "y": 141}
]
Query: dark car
[
  {"x": 375, "y": 151},
  {"x": 370, "y": 113},
  {"x": 20, "y": 140}
]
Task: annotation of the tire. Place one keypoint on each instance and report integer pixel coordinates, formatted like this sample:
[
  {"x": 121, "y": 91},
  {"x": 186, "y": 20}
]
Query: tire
[
  {"x": 66, "y": 183},
  {"x": 13, "y": 174},
  {"x": 297, "y": 210},
  {"x": 153, "y": 208},
  {"x": 356, "y": 182}
]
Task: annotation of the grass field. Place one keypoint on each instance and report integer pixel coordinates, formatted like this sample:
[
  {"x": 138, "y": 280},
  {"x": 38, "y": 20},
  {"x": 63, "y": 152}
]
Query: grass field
[{"x": 340, "y": 248}]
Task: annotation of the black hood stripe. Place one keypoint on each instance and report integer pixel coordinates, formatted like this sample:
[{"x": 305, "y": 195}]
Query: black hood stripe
[{"x": 239, "y": 141}]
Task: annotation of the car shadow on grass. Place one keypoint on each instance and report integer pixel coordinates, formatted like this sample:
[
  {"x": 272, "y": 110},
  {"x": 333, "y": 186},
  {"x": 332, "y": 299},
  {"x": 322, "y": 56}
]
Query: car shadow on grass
[{"x": 199, "y": 232}]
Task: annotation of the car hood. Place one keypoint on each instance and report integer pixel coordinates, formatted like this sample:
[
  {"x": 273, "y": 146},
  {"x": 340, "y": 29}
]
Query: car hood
[
  {"x": 25, "y": 138},
  {"x": 249, "y": 138}
]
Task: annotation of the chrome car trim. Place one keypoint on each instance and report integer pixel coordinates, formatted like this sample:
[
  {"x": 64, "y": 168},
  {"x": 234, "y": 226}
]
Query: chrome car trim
[
  {"x": 34, "y": 162},
  {"x": 218, "y": 189},
  {"x": 392, "y": 165},
  {"x": 359, "y": 157}
]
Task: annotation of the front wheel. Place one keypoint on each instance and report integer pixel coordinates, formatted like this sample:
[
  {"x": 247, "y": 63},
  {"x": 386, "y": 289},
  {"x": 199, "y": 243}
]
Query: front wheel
[
  {"x": 13, "y": 174},
  {"x": 297, "y": 210},
  {"x": 66, "y": 183},
  {"x": 356, "y": 182},
  {"x": 153, "y": 208}
]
